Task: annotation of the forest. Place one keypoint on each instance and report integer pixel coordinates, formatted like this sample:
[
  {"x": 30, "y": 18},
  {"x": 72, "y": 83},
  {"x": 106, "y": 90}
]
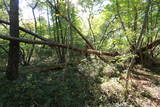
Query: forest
[{"x": 79, "y": 53}]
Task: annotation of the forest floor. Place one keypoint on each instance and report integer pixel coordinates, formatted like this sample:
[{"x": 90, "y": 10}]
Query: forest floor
[
  {"x": 143, "y": 92},
  {"x": 148, "y": 81},
  {"x": 89, "y": 84}
]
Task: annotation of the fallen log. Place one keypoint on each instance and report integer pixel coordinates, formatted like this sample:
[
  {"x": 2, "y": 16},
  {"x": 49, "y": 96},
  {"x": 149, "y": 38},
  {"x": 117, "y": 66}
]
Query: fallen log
[
  {"x": 39, "y": 68},
  {"x": 151, "y": 45},
  {"x": 42, "y": 68},
  {"x": 44, "y": 39},
  {"x": 54, "y": 44},
  {"x": 2, "y": 70},
  {"x": 26, "y": 31}
]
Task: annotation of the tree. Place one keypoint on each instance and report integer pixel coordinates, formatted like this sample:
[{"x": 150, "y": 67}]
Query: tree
[
  {"x": 35, "y": 30},
  {"x": 13, "y": 56}
]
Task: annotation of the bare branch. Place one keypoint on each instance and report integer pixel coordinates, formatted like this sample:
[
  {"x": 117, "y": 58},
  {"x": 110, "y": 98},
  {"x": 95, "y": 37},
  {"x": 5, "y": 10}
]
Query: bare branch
[{"x": 6, "y": 6}]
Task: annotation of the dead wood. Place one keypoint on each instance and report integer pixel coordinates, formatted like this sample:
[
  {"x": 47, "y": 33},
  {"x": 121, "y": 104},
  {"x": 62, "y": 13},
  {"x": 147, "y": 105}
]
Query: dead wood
[
  {"x": 44, "y": 39},
  {"x": 44, "y": 68},
  {"x": 26, "y": 31},
  {"x": 151, "y": 45},
  {"x": 54, "y": 44}
]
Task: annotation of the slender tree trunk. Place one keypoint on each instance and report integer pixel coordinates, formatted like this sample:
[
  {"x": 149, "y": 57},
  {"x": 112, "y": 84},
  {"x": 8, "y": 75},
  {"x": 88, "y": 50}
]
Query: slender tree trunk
[
  {"x": 121, "y": 21},
  {"x": 35, "y": 30},
  {"x": 75, "y": 28},
  {"x": 13, "y": 57},
  {"x": 137, "y": 47}
]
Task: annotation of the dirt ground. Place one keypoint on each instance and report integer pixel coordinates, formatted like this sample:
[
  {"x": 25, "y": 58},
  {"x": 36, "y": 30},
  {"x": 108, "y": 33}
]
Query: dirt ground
[{"x": 144, "y": 89}]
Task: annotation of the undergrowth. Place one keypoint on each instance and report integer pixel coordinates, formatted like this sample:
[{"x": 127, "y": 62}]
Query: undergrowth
[
  {"x": 60, "y": 88},
  {"x": 88, "y": 84}
]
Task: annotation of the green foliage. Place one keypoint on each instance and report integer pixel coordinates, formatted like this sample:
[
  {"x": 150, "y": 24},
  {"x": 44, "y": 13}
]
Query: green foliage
[{"x": 54, "y": 88}]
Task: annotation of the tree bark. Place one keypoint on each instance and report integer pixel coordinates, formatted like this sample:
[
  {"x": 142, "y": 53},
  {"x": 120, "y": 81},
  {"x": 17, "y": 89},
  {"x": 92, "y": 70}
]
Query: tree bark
[
  {"x": 13, "y": 56},
  {"x": 54, "y": 44}
]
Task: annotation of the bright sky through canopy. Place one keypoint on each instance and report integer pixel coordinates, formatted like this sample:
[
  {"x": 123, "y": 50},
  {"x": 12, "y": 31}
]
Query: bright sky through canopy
[
  {"x": 27, "y": 11},
  {"x": 84, "y": 15}
]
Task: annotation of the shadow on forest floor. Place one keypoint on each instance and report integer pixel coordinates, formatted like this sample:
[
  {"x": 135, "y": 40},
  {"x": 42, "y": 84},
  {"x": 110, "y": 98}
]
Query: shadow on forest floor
[
  {"x": 72, "y": 88},
  {"x": 148, "y": 83}
]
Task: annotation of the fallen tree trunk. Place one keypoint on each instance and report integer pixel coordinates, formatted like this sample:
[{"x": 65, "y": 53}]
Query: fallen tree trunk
[
  {"x": 151, "y": 45},
  {"x": 39, "y": 68},
  {"x": 54, "y": 44},
  {"x": 144, "y": 56},
  {"x": 43, "y": 68},
  {"x": 26, "y": 31},
  {"x": 44, "y": 39}
]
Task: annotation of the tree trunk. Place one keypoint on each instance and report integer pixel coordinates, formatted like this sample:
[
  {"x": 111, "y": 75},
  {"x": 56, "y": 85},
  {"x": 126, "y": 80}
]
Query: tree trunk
[
  {"x": 54, "y": 44},
  {"x": 35, "y": 30},
  {"x": 13, "y": 57}
]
